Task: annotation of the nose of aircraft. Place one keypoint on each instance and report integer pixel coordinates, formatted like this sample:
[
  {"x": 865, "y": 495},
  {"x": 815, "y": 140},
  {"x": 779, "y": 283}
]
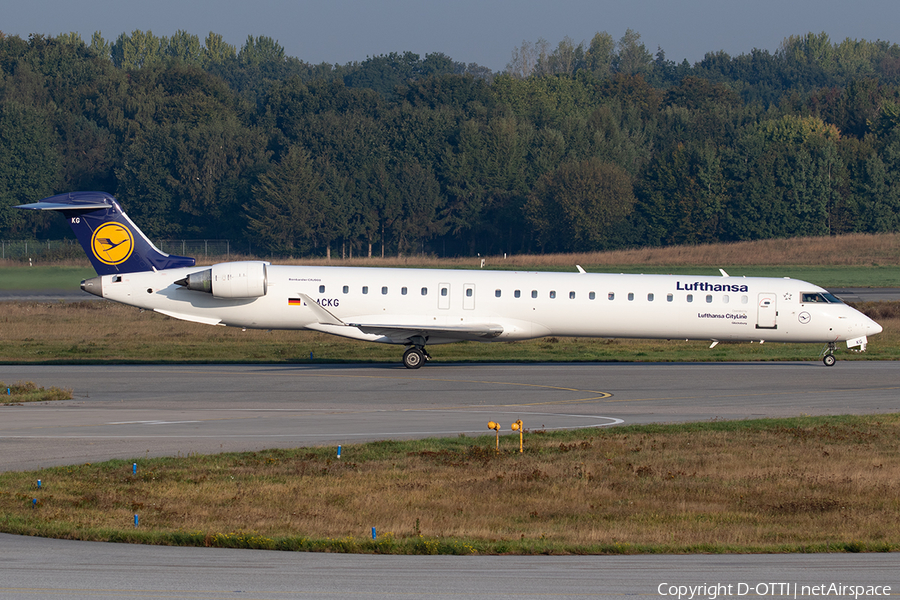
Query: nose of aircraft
[{"x": 872, "y": 328}]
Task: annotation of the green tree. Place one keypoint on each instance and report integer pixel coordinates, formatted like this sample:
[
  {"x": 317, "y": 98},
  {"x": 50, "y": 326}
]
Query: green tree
[
  {"x": 788, "y": 179},
  {"x": 878, "y": 187},
  {"x": 212, "y": 170},
  {"x": 682, "y": 196},
  {"x": 145, "y": 185},
  {"x": 579, "y": 206},
  {"x": 632, "y": 56},
  {"x": 100, "y": 46},
  {"x": 600, "y": 55},
  {"x": 289, "y": 210},
  {"x": 695, "y": 93},
  {"x": 485, "y": 180},
  {"x": 140, "y": 49},
  {"x": 216, "y": 50},
  {"x": 185, "y": 47},
  {"x": 29, "y": 164},
  {"x": 259, "y": 50}
]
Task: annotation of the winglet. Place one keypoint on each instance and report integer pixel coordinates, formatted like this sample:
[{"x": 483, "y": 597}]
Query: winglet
[{"x": 580, "y": 270}]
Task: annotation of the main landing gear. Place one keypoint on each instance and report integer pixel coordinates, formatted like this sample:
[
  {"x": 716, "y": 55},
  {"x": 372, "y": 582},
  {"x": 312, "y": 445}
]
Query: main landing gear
[
  {"x": 415, "y": 357},
  {"x": 828, "y": 355}
]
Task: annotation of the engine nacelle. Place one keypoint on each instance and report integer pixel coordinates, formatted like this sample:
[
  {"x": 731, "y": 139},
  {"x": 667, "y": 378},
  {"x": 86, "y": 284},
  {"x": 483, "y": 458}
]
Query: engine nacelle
[{"x": 246, "y": 279}]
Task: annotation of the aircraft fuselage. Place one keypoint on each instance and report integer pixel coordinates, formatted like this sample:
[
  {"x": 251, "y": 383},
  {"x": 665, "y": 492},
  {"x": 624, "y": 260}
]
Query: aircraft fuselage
[{"x": 519, "y": 305}]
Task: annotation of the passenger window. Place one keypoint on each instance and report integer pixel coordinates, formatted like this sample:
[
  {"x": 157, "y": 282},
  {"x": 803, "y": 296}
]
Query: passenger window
[
  {"x": 469, "y": 293},
  {"x": 690, "y": 298},
  {"x": 552, "y": 294},
  {"x": 745, "y": 300},
  {"x": 571, "y": 295},
  {"x": 517, "y": 293},
  {"x": 384, "y": 290},
  {"x": 709, "y": 298},
  {"x": 346, "y": 289},
  {"x": 321, "y": 289},
  {"x": 611, "y": 296},
  {"x": 534, "y": 293},
  {"x": 497, "y": 293},
  {"x": 365, "y": 289},
  {"x": 649, "y": 297},
  {"x": 424, "y": 291},
  {"x": 726, "y": 299},
  {"x": 669, "y": 297},
  {"x": 630, "y": 296},
  {"x": 592, "y": 295},
  {"x": 444, "y": 291},
  {"x": 403, "y": 291}
]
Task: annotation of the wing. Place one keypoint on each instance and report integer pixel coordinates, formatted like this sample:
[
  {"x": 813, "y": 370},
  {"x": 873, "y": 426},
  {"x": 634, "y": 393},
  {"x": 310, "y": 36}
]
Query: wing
[
  {"x": 401, "y": 333},
  {"x": 476, "y": 332}
]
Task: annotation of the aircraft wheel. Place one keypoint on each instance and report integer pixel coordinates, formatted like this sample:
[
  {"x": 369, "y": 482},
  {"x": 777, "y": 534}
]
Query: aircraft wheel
[
  {"x": 413, "y": 358},
  {"x": 829, "y": 360}
]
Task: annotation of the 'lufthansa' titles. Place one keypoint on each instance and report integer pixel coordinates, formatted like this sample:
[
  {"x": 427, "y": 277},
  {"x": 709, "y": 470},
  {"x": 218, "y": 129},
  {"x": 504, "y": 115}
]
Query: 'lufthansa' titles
[{"x": 702, "y": 286}]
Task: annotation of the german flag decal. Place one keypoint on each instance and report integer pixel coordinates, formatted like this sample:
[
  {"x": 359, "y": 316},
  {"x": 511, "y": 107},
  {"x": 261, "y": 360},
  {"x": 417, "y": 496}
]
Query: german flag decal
[{"x": 295, "y": 301}]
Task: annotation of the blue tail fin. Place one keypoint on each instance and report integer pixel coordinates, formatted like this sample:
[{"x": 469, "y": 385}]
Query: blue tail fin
[{"x": 112, "y": 242}]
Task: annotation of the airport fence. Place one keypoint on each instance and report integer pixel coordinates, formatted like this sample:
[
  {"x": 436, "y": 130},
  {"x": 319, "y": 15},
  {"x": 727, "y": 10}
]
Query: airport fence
[
  {"x": 66, "y": 249},
  {"x": 195, "y": 248}
]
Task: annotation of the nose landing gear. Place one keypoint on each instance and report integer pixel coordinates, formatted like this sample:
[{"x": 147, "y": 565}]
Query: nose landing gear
[{"x": 828, "y": 355}]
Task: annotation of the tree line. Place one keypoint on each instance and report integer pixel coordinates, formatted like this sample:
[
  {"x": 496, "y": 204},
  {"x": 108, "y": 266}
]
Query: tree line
[{"x": 577, "y": 147}]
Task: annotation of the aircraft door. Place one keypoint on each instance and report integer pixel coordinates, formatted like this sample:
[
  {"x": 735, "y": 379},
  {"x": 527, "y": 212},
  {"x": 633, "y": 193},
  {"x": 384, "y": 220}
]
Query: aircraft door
[
  {"x": 444, "y": 296},
  {"x": 767, "y": 311},
  {"x": 469, "y": 296}
]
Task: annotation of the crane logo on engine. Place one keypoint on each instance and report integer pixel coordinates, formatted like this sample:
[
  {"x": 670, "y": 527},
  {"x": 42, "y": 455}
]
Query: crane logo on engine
[{"x": 112, "y": 243}]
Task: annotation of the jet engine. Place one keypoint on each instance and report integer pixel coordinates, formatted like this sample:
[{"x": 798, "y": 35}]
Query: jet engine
[{"x": 246, "y": 279}]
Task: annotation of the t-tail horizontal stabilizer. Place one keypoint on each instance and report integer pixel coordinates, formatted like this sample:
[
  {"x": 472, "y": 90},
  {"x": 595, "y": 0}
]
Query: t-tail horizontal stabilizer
[{"x": 109, "y": 238}]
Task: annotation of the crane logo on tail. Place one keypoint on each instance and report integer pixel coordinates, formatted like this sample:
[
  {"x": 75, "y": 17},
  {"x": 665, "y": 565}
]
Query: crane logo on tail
[{"x": 112, "y": 243}]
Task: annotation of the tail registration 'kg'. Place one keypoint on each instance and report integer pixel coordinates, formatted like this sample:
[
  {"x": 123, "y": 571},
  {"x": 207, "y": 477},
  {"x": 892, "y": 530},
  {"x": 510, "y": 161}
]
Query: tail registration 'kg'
[{"x": 415, "y": 307}]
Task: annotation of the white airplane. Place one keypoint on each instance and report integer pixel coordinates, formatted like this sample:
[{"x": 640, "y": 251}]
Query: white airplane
[{"x": 417, "y": 307}]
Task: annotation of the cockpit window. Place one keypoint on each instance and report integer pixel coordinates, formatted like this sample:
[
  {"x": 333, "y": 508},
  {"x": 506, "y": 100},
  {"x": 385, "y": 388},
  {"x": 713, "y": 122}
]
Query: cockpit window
[{"x": 820, "y": 297}]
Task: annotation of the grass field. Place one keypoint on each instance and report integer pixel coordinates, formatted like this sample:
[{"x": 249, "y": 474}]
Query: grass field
[
  {"x": 809, "y": 484},
  {"x": 27, "y": 391},
  {"x": 24, "y": 278}
]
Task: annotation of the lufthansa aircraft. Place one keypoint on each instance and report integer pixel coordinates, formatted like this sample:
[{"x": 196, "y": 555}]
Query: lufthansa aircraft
[{"x": 416, "y": 307}]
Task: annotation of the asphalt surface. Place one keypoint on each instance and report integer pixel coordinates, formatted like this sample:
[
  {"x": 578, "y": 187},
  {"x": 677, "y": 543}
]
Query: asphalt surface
[
  {"x": 63, "y": 569},
  {"x": 135, "y": 411},
  {"x": 867, "y": 294},
  {"x": 131, "y": 411}
]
